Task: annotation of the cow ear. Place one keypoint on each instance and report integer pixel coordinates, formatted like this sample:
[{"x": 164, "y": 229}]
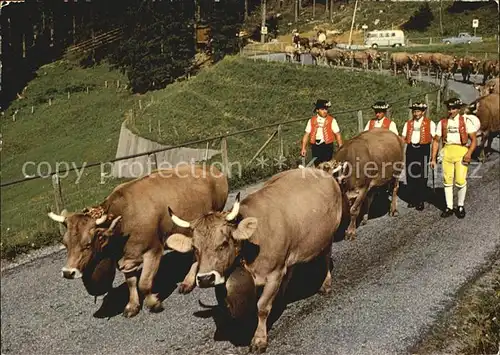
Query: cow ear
[
  {"x": 180, "y": 242},
  {"x": 246, "y": 228}
]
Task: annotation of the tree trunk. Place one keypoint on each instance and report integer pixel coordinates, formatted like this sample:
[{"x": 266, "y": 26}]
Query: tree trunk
[{"x": 441, "y": 16}]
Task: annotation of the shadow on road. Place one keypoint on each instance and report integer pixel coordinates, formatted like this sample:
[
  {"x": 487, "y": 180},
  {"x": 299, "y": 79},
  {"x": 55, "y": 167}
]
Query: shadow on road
[
  {"x": 305, "y": 282},
  {"x": 173, "y": 268}
]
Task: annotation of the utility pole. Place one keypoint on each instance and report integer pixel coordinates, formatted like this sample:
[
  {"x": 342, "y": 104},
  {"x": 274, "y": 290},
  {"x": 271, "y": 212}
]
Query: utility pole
[
  {"x": 246, "y": 10},
  {"x": 262, "y": 35},
  {"x": 296, "y": 10},
  {"x": 314, "y": 8},
  {"x": 352, "y": 23}
]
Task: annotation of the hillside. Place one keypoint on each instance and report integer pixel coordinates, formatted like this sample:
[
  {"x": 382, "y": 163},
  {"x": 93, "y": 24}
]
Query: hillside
[
  {"x": 235, "y": 94},
  {"x": 457, "y": 16}
]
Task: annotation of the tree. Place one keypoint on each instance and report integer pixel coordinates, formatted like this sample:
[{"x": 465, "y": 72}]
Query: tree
[
  {"x": 420, "y": 20},
  {"x": 225, "y": 22},
  {"x": 158, "y": 45}
]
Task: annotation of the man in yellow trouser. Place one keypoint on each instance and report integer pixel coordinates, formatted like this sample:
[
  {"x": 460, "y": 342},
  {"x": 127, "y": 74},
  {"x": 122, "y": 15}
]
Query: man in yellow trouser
[{"x": 455, "y": 131}]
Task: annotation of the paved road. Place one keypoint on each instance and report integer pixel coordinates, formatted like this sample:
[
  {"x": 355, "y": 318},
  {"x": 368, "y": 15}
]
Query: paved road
[{"x": 389, "y": 286}]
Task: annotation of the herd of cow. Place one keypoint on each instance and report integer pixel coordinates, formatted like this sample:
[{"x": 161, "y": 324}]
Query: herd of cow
[
  {"x": 250, "y": 251},
  {"x": 438, "y": 63},
  {"x": 292, "y": 219}
]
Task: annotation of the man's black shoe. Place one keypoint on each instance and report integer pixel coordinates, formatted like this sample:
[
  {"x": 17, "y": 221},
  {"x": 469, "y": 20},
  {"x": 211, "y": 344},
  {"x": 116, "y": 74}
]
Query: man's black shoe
[
  {"x": 447, "y": 213},
  {"x": 410, "y": 205},
  {"x": 420, "y": 206},
  {"x": 460, "y": 212}
]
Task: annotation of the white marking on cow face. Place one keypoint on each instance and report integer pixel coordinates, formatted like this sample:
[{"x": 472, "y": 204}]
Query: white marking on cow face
[
  {"x": 209, "y": 279},
  {"x": 70, "y": 273}
]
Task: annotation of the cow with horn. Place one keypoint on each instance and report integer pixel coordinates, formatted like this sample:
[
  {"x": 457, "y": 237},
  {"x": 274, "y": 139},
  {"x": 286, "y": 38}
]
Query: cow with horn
[
  {"x": 268, "y": 232},
  {"x": 131, "y": 224}
]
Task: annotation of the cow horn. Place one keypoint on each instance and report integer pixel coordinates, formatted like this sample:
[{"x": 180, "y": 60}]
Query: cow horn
[
  {"x": 236, "y": 209},
  {"x": 101, "y": 219},
  {"x": 177, "y": 220},
  {"x": 113, "y": 224},
  {"x": 56, "y": 217}
]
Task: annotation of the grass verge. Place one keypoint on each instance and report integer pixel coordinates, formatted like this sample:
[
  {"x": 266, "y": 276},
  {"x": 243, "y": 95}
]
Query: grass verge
[
  {"x": 472, "y": 326},
  {"x": 235, "y": 94}
]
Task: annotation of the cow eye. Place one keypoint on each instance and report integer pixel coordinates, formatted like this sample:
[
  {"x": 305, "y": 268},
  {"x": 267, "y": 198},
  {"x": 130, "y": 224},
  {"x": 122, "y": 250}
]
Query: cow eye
[{"x": 224, "y": 245}]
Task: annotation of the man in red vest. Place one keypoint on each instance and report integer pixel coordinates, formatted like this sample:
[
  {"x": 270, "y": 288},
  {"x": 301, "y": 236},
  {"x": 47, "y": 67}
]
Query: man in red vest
[
  {"x": 321, "y": 132},
  {"x": 418, "y": 133},
  {"x": 380, "y": 120},
  {"x": 455, "y": 131}
]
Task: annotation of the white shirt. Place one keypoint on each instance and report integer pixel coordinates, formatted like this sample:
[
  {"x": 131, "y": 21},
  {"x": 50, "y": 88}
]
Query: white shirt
[
  {"x": 453, "y": 135},
  {"x": 378, "y": 124},
  {"x": 321, "y": 37},
  {"x": 415, "y": 137},
  {"x": 321, "y": 124}
]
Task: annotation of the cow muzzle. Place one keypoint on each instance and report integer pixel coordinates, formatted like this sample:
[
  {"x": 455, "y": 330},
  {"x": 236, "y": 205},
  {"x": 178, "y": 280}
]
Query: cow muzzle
[
  {"x": 71, "y": 273},
  {"x": 209, "y": 279}
]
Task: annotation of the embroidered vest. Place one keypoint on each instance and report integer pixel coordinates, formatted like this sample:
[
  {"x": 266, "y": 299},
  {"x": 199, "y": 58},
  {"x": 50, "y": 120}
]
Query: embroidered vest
[
  {"x": 461, "y": 129},
  {"x": 425, "y": 131},
  {"x": 386, "y": 123},
  {"x": 328, "y": 135}
]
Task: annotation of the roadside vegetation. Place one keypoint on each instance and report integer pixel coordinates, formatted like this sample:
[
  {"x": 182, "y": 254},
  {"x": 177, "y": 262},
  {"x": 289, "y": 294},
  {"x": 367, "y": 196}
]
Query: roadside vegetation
[
  {"x": 417, "y": 19},
  {"x": 472, "y": 326},
  {"x": 233, "y": 95}
]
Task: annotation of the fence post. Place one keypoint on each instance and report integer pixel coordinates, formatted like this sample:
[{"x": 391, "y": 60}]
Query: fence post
[
  {"x": 56, "y": 185},
  {"x": 438, "y": 100},
  {"x": 426, "y": 99},
  {"x": 410, "y": 102},
  {"x": 419, "y": 74},
  {"x": 206, "y": 152},
  {"x": 360, "y": 121},
  {"x": 280, "y": 139},
  {"x": 156, "y": 161},
  {"x": 225, "y": 158}
]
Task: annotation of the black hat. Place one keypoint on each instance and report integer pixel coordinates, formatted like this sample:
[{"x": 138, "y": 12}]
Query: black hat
[
  {"x": 380, "y": 106},
  {"x": 322, "y": 104},
  {"x": 454, "y": 103},
  {"x": 418, "y": 106}
]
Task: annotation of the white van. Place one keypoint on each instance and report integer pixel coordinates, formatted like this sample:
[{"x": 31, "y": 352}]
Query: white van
[{"x": 394, "y": 38}]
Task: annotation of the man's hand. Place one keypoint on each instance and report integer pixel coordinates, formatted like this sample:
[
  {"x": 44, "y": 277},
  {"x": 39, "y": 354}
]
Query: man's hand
[
  {"x": 433, "y": 164},
  {"x": 303, "y": 152},
  {"x": 467, "y": 158}
]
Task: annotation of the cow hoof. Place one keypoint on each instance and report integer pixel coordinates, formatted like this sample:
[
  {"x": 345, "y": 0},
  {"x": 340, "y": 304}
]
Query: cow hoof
[
  {"x": 258, "y": 345},
  {"x": 185, "y": 288},
  {"x": 394, "y": 213},
  {"x": 364, "y": 221},
  {"x": 350, "y": 235},
  {"x": 325, "y": 290},
  {"x": 153, "y": 304},
  {"x": 131, "y": 310}
]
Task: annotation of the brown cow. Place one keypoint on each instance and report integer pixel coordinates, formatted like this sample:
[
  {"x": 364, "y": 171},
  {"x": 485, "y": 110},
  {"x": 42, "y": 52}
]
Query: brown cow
[
  {"x": 371, "y": 159},
  {"x": 443, "y": 64},
  {"x": 402, "y": 60},
  {"x": 336, "y": 56},
  {"x": 361, "y": 58},
  {"x": 292, "y": 52},
  {"x": 317, "y": 54},
  {"x": 135, "y": 216},
  {"x": 290, "y": 220},
  {"x": 492, "y": 86},
  {"x": 486, "y": 108},
  {"x": 491, "y": 69},
  {"x": 467, "y": 65},
  {"x": 424, "y": 59}
]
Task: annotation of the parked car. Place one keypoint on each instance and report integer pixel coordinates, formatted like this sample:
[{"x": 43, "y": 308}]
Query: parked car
[
  {"x": 377, "y": 38},
  {"x": 463, "y": 37}
]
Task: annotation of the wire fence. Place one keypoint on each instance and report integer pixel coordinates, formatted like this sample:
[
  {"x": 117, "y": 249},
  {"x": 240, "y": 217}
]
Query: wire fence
[{"x": 243, "y": 155}]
